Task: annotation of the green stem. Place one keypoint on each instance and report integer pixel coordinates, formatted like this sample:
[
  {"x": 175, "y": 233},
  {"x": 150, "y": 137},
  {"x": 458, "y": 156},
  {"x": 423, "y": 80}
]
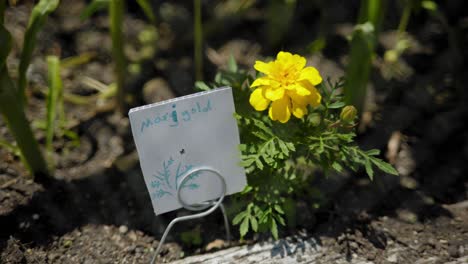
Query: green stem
[
  {"x": 2, "y": 10},
  {"x": 198, "y": 40},
  {"x": 405, "y": 17},
  {"x": 37, "y": 20},
  {"x": 54, "y": 101},
  {"x": 362, "y": 48},
  {"x": 19, "y": 126},
  {"x": 116, "y": 10}
]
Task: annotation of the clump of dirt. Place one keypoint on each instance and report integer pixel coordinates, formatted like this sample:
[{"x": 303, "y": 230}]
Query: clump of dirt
[
  {"x": 92, "y": 244},
  {"x": 389, "y": 239},
  {"x": 15, "y": 191}
]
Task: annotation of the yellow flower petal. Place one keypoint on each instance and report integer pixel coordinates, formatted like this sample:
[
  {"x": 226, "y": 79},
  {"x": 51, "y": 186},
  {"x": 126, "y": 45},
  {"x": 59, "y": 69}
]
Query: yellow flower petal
[
  {"x": 283, "y": 56},
  {"x": 263, "y": 67},
  {"x": 315, "y": 98},
  {"x": 258, "y": 101},
  {"x": 310, "y": 74},
  {"x": 279, "y": 110},
  {"x": 274, "y": 94},
  {"x": 290, "y": 61},
  {"x": 262, "y": 81},
  {"x": 297, "y": 99},
  {"x": 301, "y": 90},
  {"x": 299, "y": 110}
]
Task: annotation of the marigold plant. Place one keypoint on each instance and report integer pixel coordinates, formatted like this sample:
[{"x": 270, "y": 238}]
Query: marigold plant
[{"x": 282, "y": 155}]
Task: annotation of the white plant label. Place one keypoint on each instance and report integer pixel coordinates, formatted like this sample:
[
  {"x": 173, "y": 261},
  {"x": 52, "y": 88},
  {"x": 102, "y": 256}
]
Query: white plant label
[{"x": 177, "y": 135}]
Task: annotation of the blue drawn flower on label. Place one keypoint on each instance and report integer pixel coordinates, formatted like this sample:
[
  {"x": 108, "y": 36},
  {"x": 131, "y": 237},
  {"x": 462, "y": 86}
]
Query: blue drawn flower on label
[{"x": 166, "y": 181}]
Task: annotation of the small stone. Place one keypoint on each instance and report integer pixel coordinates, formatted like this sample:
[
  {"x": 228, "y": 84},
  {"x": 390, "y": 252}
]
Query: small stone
[
  {"x": 299, "y": 258},
  {"x": 431, "y": 241},
  {"x": 52, "y": 256},
  {"x": 132, "y": 236},
  {"x": 157, "y": 90},
  {"x": 353, "y": 245},
  {"x": 123, "y": 229},
  {"x": 35, "y": 216},
  {"x": 453, "y": 251},
  {"x": 216, "y": 244},
  {"x": 419, "y": 228},
  {"x": 371, "y": 255},
  {"x": 407, "y": 216},
  {"x": 67, "y": 243},
  {"x": 393, "y": 258},
  {"x": 130, "y": 249}
]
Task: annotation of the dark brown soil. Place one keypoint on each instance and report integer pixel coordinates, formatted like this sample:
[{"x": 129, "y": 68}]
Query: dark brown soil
[{"x": 97, "y": 210}]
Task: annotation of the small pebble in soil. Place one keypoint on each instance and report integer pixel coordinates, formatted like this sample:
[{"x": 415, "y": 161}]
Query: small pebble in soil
[
  {"x": 453, "y": 251},
  {"x": 157, "y": 90},
  {"x": 393, "y": 258},
  {"x": 67, "y": 243},
  {"x": 123, "y": 229},
  {"x": 35, "y": 216},
  {"x": 216, "y": 244},
  {"x": 132, "y": 236},
  {"x": 299, "y": 258}
]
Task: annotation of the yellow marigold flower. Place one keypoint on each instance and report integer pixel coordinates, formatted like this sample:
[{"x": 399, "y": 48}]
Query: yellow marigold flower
[{"x": 287, "y": 87}]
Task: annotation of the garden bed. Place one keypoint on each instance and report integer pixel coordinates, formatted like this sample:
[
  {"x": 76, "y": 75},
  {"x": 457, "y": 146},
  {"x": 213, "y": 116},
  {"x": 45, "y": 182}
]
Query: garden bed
[{"x": 97, "y": 209}]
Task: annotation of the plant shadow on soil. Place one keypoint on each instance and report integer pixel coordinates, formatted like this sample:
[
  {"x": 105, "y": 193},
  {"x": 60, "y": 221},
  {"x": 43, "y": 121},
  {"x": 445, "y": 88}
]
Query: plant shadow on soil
[{"x": 113, "y": 198}]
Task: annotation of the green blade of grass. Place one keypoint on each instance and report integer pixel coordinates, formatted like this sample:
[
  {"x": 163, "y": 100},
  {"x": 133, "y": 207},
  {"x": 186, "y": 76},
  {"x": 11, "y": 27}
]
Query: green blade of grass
[
  {"x": 145, "y": 5},
  {"x": 36, "y": 22},
  {"x": 93, "y": 7},
  {"x": 405, "y": 16},
  {"x": 198, "y": 40},
  {"x": 116, "y": 11},
  {"x": 53, "y": 98},
  {"x": 19, "y": 125},
  {"x": 13, "y": 112},
  {"x": 77, "y": 60},
  {"x": 357, "y": 73},
  {"x": 2, "y": 15},
  {"x": 5, "y": 37},
  {"x": 279, "y": 16},
  {"x": 362, "y": 48}
]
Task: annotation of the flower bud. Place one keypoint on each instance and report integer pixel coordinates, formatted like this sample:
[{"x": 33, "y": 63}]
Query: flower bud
[
  {"x": 315, "y": 119},
  {"x": 348, "y": 114},
  {"x": 391, "y": 56}
]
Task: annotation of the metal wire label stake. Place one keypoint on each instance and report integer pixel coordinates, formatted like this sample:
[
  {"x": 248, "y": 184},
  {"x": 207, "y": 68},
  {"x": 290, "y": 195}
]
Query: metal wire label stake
[{"x": 212, "y": 205}]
